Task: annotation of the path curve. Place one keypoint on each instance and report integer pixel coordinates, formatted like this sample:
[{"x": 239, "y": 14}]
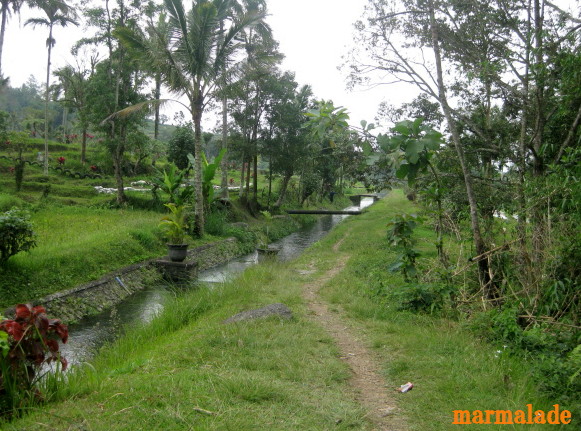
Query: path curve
[{"x": 370, "y": 388}]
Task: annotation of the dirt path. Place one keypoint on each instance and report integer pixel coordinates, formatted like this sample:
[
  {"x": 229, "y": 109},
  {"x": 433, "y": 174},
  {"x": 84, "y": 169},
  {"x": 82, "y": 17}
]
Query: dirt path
[{"x": 370, "y": 388}]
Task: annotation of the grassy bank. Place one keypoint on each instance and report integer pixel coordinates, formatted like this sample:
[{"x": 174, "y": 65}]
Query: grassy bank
[
  {"x": 450, "y": 367},
  {"x": 187, "y": 370},
  {"x": 78, "y": 244},
  {"x": 75, "y": 245}
]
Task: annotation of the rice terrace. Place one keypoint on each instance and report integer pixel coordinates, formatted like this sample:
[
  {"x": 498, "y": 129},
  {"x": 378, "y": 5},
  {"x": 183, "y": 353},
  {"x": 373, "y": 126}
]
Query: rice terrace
[{"x": 307, "y": 215}]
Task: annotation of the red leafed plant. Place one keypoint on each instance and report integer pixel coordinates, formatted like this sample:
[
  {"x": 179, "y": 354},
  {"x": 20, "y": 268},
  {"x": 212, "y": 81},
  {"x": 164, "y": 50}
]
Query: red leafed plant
[{"x": 27, "y": 342}]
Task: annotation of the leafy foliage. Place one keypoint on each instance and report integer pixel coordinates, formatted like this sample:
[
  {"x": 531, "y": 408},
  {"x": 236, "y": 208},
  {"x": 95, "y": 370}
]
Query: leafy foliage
[
  {"x": 16, "y": 234},
  {"x": 181, "y": 144},
  {"x": 27, "y": 342},
  {"x": 399, "y": 234},
  {"x": 326, "y": 121},
  {"x": 208, "y": 174},
  {"x": 411, "y": 146},
  {"x": 171, "y": 184},
  {"x": 174, "y": 225},
  {"x": 422, "y": 298}
]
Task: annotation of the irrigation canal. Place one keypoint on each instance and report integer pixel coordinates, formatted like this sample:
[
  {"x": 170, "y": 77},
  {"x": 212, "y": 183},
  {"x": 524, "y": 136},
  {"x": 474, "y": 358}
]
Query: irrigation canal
[{"x": 87, "y": 336}]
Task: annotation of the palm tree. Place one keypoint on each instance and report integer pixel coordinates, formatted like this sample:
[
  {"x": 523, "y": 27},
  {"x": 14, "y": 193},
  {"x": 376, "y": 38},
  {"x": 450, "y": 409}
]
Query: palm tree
[
  {"x": 199, "y": 46},
  {"x": 5, "y": 6},
  {"x": 264, "y": 31},
  {"x": 73, "y": 87},
  {"x": 56, "y": 12}
]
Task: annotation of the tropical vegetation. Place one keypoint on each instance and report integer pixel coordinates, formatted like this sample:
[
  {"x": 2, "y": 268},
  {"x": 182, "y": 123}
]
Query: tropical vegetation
[{"x": 489, "y": 151}]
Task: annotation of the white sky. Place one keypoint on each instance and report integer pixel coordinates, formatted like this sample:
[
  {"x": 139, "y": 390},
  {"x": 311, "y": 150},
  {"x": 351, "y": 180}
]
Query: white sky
[{"x": 313, "y": 35}]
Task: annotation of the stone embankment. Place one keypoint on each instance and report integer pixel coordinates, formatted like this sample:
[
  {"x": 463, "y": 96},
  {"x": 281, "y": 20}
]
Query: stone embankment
[{"x": 90, "y": 298}]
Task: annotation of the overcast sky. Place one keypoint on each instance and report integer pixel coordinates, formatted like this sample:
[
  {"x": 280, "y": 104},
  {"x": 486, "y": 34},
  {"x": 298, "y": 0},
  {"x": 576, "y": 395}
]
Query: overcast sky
[{"x": 313, "y": 35}]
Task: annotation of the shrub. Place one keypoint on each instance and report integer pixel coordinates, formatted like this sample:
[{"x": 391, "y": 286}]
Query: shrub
[
  {"x": 423, "y": 298},
  {"x": 16, "y": 233},
  {"x": 181, "y": 144},
  {"x": 399, "y": 235},
  {"x": 9, "y": 201},
  {"x": 215, "y": 223},
  {"x": 27, "y": 343}
]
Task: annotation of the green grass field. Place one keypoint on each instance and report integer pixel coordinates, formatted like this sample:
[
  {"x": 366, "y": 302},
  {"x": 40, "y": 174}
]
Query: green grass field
[{"x": 187, "y": 370}]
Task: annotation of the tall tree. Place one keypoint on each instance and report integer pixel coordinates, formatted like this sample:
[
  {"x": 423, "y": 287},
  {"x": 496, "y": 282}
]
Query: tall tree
[
  {"x": 287, "y": 140},
  {"x": 402, "y": 35},
  {"x": 228, "y": 75},
  {"x": 196, "y": 54},
  {"x": 56, "y": 12},
  {"x": 496, "y": 69},
  {"x": 116, "y": 83}
]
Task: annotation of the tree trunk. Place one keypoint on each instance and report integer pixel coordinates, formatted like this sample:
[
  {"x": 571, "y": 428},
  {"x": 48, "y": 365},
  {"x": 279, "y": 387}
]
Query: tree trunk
[
  {"x": 269, "y": 180},
  {"x": 255, "y": 161},
  {"x": 538, "y": 165},
  {"x": 224, "y": 162},
  {"x": 283, "y": 187},
  {"x": 65, "y": 114},
  {"x": 157, "y": 96},
  {"x": 46, "y": 102},
  {"x": 479, "y": 244},
  {"x": 4, "y": 13},
  {"x": 84, "y": 145},
  {"x": 255, "y": 175},
  {"x": 248, "y": 165},
  {"x": 118, "y": 166},
  {"x": 198, "y": 190},
  {"x": 241, "y": 188},
  {"x": 522, "y": 148}
]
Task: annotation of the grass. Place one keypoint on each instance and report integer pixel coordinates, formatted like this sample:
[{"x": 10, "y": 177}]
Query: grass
[
  {"x": 81, "y": 236},
  {"x": 449, "y": 367},
  {"x": 79, "y": 244},
  {"x": 269, "y": 374},
  {"x": 187, "y": 370},
  {"x": 75, "y": 245}
]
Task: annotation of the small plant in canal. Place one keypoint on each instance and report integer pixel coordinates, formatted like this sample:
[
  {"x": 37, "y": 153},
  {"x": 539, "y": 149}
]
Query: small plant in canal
[{"x": 27, "y": 342}]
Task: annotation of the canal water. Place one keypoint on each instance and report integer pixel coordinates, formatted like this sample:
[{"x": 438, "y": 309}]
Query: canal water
[{"x": 87, "y": 336}]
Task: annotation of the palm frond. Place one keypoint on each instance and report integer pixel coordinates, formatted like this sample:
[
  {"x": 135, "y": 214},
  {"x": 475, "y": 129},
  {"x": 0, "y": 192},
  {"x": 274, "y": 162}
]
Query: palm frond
[
  {"x": 36, "y": 22},
  {"x": 139, "y": 108},
  {"x": 178, "y": 21}
]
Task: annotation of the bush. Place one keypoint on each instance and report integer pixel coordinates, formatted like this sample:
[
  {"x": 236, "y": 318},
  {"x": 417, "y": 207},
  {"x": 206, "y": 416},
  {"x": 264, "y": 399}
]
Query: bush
[
  {"x": 247, "y": 238},
  {"x": 16, "y": 233},
  {"x": 399, "y": 235},
  {"x": 422, "y": 298},
  {"x": 9, "y": 201},
  {"x": 215, "y": 223},
  {"x": 27, "y": 343},
  {"x": 553, "y": 351}
]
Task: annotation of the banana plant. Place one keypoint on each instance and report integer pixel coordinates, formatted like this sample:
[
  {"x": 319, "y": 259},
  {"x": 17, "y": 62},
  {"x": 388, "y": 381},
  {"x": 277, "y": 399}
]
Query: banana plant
[
  {"x": 208, "y": 174},
  {"x": 171, "y": 184}
]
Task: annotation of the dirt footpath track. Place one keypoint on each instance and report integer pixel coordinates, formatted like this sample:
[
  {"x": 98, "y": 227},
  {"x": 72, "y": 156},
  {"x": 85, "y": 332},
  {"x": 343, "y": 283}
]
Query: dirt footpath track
[{"x": 369, "y": 387}]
